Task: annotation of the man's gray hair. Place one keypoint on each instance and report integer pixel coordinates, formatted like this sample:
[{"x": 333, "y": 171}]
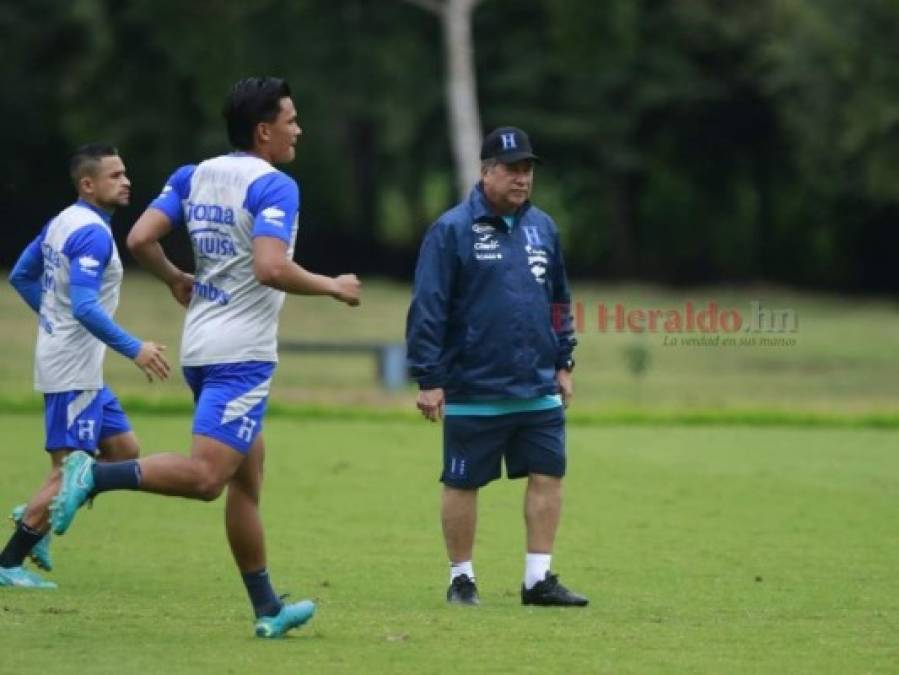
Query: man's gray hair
[{"x": 487, "y": 164}]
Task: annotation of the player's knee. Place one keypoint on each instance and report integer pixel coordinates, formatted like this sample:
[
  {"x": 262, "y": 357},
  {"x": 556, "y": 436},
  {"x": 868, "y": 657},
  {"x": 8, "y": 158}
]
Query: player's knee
[{"x": 209, "y": 489}]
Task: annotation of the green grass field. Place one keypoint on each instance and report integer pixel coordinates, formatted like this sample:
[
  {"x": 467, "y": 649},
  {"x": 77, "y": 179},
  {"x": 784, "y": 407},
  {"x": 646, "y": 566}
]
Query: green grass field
[
  {"x": 704, "y": 550},
  {"x": 764, "y": 546}
]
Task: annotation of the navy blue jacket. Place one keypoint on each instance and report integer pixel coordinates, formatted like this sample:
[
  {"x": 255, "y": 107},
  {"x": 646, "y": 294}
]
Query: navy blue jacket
[{"x": 490, "y": 315}]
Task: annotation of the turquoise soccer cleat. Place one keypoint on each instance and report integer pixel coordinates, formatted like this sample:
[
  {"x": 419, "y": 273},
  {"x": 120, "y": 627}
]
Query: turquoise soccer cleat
[
  {"x": 77, "y": 485},
  {"x": 290, "y": 616},
  {"x": 40, "y": 554},
  {"x": 22, "y": 578}
]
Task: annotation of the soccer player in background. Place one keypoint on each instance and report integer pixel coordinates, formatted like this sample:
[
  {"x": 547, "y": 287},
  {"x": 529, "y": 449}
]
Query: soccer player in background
[
  {"x": 241, "y": 215},
  {"x": 70, "y": 275}
]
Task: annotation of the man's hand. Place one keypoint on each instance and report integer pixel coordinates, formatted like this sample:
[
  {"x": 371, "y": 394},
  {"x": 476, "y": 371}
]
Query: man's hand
[
  {"x": 347, "y": 289},
  {"x": 182, "y": 287},
  {"x": 430, "y": 402},
  {"x": 566, "y": 386},
  {"x": 151, "y": 360}
]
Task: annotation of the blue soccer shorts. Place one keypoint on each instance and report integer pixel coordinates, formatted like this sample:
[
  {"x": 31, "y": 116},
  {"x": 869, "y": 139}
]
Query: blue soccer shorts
[
  {"x": 79, "y": 420},
  {"x": 230, "y": 400},
  {"x": 530, "y": 442}
]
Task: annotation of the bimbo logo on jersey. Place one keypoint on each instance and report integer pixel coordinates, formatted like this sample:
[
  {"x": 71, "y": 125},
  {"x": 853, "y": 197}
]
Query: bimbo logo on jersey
[
  {"x": 209, "y": 291},
  {"x": 209, "y": 213}
]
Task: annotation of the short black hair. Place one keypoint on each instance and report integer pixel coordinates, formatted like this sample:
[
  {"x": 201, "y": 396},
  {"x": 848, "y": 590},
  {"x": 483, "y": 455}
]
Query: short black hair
[
  {"x": 86, "y": 160},
  {"x": 251, "y": 101}
]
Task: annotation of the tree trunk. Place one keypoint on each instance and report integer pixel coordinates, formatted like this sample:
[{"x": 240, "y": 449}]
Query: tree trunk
[
  {"x": 461, "y": 86},
  {"x": 462, "y": 91}
]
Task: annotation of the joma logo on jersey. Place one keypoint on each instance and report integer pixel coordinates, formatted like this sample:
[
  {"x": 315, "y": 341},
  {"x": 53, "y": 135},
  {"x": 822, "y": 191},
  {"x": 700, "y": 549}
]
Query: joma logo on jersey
[{"x": 209, "y": 213}]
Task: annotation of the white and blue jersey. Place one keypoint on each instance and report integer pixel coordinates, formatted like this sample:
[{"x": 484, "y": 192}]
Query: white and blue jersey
[
  {"x": 76, "y": 262},
  {"x": 70, "y": 275},
  {"x": 224, "y": 203},
  {"x": 229, "y": 346}
]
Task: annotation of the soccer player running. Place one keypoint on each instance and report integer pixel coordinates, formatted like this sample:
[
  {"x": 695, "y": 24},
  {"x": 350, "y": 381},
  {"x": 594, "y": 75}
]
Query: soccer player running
[
  {"x": 70, "y": 275},
  {"x": 241, "y": 215},
  {"x": 490, "y": 342}
]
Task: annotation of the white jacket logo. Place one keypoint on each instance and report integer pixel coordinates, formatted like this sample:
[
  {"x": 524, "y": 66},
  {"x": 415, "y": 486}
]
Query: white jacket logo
[{"x": 274, "y": 216}]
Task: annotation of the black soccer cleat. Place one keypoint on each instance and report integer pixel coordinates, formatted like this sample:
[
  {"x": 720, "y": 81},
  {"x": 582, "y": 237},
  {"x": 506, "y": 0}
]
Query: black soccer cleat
[
  {"x": 462, "y": 591},
  {"x": 550, "y": 593}
]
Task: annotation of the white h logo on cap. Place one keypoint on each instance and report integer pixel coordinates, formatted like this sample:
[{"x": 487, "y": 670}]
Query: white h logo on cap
[{"x": 508, "y": 141}]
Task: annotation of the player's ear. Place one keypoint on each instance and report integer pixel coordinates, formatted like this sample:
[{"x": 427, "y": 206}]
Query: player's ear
[
  {"x": 263, "y": 132},
  {"x": 86, "y": 185}
]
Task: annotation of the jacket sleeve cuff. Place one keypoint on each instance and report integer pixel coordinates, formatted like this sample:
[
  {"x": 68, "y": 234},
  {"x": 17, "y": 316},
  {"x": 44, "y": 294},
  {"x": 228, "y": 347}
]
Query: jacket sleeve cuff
[
  {"x": 563, "y": 358},
  {"x": 434, "y": 381}
]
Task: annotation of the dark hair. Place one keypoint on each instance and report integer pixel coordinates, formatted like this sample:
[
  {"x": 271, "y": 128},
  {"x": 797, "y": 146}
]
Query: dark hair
[
  {"x": 86, "y": 160},
  {"x": 251, "y": 101}
]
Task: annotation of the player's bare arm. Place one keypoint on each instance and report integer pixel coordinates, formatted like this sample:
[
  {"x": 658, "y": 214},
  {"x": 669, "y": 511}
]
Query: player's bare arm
[
  {"x": 273, "y": 268},
  {"x": 143, "y": 242}
]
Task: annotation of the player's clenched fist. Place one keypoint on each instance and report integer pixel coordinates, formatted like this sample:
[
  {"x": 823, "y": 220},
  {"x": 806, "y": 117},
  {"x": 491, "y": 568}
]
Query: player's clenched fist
[
  {"x": 152, "y": 361},
  {"x": 182, "y": 288},
  {"x": 348, "y": 288}
]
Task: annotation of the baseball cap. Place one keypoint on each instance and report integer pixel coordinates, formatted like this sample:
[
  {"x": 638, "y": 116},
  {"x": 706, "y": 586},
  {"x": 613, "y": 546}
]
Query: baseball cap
[{"x": 508, "y": 145}]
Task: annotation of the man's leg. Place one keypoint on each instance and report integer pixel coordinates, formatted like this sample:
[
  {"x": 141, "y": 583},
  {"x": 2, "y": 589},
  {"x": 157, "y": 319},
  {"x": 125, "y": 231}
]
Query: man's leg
[
  {"x": 542, "y": 510},
  {"x": 119, "y": 447},
  {"x": 459, "y": 514},
  {"x": 472, "y": 457},
  {"x": 37, "y": 512},
  {"x": 246, "y": 537},
  {"x": 203, "y": 475},
  {"x": 540, "y": 446},
  {"x": 243, "y": 523},
  {"x": 32, "y": 527}
]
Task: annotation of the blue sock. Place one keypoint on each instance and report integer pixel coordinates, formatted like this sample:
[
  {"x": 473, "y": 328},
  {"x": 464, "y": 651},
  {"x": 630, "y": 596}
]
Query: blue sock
[
  {"x": 262, "y": 595},
  {"x": 116, "y": 476}
]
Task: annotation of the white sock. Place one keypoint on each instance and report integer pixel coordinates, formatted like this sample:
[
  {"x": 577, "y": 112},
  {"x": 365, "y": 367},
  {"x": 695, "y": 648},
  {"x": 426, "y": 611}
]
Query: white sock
[
  {"x": 536, "y": 565},
  {"x": 457, "y": 569}
]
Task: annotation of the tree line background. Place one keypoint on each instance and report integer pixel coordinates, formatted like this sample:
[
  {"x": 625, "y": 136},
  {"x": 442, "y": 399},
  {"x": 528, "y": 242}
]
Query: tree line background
[{"x": 685, "y": 141}]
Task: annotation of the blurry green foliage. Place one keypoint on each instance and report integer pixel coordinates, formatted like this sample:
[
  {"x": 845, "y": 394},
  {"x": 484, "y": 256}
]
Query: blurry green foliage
[{"x": 685, "y": 140}]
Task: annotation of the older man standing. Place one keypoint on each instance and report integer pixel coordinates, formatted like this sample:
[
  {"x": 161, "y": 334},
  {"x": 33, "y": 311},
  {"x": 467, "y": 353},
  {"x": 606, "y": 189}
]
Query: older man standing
[{"x": 490, "y": 342}]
